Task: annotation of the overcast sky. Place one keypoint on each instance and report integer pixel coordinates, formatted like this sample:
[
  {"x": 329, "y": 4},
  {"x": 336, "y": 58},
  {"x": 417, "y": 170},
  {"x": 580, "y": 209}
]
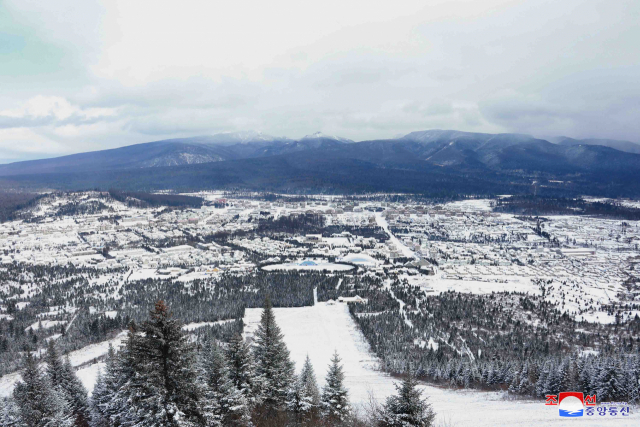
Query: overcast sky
[{"x": 84, "y": 75}]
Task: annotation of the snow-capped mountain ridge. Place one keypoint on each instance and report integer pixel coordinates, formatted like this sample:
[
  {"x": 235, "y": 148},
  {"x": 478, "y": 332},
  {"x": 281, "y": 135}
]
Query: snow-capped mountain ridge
[{"x": 320, "y": 135}]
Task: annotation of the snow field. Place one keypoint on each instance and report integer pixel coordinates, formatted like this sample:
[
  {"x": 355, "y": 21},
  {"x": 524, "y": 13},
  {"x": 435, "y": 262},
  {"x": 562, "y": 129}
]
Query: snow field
[
  {"x": 193, "y": 326},
  {"x": 45, "y": 324},
  {"x": 321, "y": 329}
]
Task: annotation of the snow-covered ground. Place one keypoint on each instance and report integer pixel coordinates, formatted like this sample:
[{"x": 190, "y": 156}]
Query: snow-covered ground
[
  {"x": 323, "y": 328},
  {"x": 193, "y": 326},
  {"x": 79, "y": 357},
  {"x": 45, "y": 324},
  {"x": 473, "y": 205}
]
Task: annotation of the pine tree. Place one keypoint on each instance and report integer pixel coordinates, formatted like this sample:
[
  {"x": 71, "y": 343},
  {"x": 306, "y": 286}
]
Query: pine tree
[
  {"x": 38, "y": 402},
  {"x": 514, "y": 386},
  {"x": 553, "y": 380},
  {"x": 634, "y": 378},
  {"x": 594, "y": 376},
  {"x": 63, "y": 378},
  {"x": 634, "y": 395},
  {"x": 9, "y": 416},
  {"x": 564, "y": 375},
  {"x": 610, "y": 382},
  {"x": 308, "y": 379},
  {"x": 584, "y": 378},
  {"x": 525, "y": 386},
  {"x": 577, "y": 364},
  {"x": 109, "y": 400},
  {"x": 76, "y": 394},
  {"x": 335, "y": 399},
  {"x": 163, "y": 391},
  {"x": 274, "y": 369},
  {"x": 541, "y": 384},
  {"x": 54, "y": 365},
  {"x": 241, "y": 368},
  {"x": 408, "y": 408},
  {"x": 99, "y": 398},
  {"x": 300, "y": 403},
  {"x": 224, "y": 404}
]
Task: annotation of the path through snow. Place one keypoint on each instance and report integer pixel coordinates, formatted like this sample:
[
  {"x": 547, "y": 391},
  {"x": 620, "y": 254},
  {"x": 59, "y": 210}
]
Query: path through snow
[{"x": 382, "y": 222}]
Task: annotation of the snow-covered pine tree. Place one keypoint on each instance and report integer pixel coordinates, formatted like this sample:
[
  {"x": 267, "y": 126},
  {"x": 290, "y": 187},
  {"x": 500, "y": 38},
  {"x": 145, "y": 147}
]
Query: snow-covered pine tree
[
  {"x": 308, "y": 379},
  {"x": 9, "y": 416},
  {"x": 75, "y": 393},
  {"x": 118, "y": 376},
  {"x": 39, "y": 403},
  {"x": 634, "y": 379},
  {"x": 335, "y": 398},
  {"x": 553, "y": 380},
  {"x": 610, "y": 382},
  {"x": 63, "y": 378},
  {"x": 54, "y": 365},
  {"x": 594, "y": 376},
  {"x": 300, "y": 404},
  {"x": 106, "y": 399},
  {"x": 408, "y": 408},
  {"x": 491, "y": 375},
  {"x": 100, "y": 394},
  {"x": 223, "y": 405},
  {"x": 524, "y": 385},
  {"x": 564, "y": 375},
  {"x": 584, "y": 378},
  {"x": 577, "y": 364},
  {"x": 163, "y": 391},
  {"x": 514, "y": 386},
  {"x": 467, "y": 376},
  {"x": 241, "y": 367},
  {"x": 274, "y": 369},
  {"x": 541, "y": 384},
  {"x": 304, "y": 401}
]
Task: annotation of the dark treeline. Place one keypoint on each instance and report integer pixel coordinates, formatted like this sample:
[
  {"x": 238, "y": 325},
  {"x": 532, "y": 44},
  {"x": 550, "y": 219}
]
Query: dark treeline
[
  {"x": 11, "y": 202},
  {"x": 292, "y": 224},
  {"x": 91, "y": 207},
  {"x": 365, "y": 197},
  {"x": 160, "y": 378},
  {"x": 534, "y": 205},
  {"x": 143, "y": 199}
]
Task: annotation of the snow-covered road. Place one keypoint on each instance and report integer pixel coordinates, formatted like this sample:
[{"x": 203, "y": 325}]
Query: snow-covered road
[{"x": 382, "y": 222}]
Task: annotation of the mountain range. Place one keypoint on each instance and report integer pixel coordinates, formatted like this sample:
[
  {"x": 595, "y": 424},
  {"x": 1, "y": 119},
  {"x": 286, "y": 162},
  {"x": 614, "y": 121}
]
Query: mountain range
[{"x": 432, "y": 161}]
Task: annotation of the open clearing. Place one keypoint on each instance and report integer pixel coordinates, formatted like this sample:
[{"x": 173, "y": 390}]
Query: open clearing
[{"x": 323, "y": 328}]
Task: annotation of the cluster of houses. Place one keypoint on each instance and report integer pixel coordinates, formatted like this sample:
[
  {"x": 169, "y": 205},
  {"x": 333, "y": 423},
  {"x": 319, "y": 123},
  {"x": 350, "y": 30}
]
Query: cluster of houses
[{"x": 454, "y": 241}]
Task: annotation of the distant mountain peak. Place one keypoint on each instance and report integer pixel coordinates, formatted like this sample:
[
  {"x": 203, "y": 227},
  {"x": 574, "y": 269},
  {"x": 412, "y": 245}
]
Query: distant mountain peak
[
  {"x": 320, "y": 135},
  {"x": 243, "y": 137}
]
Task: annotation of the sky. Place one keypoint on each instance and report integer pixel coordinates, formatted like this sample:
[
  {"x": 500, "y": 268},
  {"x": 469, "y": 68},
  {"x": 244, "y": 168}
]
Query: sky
[{"x": 79, "y": 76}]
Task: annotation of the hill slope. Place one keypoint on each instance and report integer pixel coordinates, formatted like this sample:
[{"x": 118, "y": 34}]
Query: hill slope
[{"x": 626, "y": 146}]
